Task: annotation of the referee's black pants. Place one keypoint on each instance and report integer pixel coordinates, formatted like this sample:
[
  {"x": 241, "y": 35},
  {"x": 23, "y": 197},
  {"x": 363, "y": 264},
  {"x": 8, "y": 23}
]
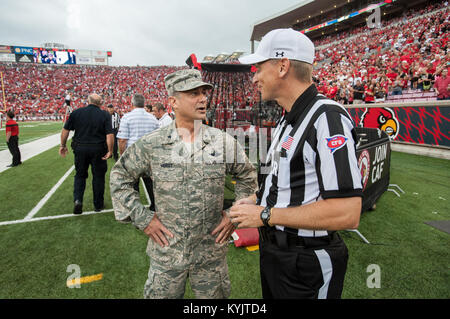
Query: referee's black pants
[
  {"x": 13, "y": 146},
  {"x": 115, "y": 147},
  {"x": 311, "y": 269},
  {"x": 90, "y": 155}
]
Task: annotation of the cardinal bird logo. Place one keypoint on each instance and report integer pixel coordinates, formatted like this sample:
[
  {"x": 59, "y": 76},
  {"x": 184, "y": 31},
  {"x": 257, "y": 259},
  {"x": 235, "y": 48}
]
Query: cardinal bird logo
[
  {"x": 364, "y": 167},
  {"x": 381, "y": 118}
]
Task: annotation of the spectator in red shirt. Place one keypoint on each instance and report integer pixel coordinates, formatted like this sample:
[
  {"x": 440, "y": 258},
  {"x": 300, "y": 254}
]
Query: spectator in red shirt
[
  {"x": 391, "y": 75},
  {"x": 369, "y": 94},
  {"x": 12, "y": 138},
  {"x": 332, "y": 91},
  {"x": 441, "y": 85}
]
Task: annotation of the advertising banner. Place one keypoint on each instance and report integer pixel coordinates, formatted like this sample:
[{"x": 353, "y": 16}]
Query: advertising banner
[
  {"x": 84, "y": 53},
  {"x": 374, "y": 156},
  {"x": 7, "y": 57},
  {"x": 100, "y": 61},
  {"x": 6, "y": 49},
  {"x": 84, "y": 60},
  {"x": 23, "y": 50},
  {"x": 24, "y": 58}
]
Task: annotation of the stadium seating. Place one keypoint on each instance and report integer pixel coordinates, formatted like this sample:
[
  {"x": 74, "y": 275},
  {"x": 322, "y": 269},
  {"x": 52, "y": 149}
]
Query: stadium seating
[
  {"x": 420, "y": 37},
  {"x": 375, "y": 56}
]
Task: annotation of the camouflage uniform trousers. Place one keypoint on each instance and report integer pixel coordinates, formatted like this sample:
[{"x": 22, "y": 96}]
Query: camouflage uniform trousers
[{"x": 198, "y": 258}]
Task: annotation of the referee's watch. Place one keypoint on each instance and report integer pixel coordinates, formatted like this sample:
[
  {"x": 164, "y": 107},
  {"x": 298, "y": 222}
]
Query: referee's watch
[{"x": 265, "y": 215}]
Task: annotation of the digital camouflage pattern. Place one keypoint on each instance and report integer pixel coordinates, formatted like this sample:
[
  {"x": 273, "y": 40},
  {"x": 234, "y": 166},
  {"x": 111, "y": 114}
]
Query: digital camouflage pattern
[
  {"x": 189, "y": 193},
  {"x": 184, "y": 80}
]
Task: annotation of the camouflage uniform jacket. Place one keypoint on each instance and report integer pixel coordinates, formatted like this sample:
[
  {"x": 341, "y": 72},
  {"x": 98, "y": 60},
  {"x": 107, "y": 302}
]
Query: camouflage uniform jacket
[{"x": 188, "y": 188}]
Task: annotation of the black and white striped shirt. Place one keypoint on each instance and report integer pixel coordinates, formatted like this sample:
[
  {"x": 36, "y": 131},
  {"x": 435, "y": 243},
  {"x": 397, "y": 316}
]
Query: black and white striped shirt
[
  {"x": 312, "y": 157},
  {"x": 115, "y": 118}
]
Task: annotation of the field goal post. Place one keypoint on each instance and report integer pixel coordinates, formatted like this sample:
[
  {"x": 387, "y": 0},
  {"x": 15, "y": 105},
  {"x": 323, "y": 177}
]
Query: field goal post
[{"x": 3, "y": 100}]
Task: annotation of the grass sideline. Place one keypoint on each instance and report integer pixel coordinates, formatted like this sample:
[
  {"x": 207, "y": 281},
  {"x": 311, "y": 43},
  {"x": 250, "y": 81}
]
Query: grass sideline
[{"x": 413, "y": 257}]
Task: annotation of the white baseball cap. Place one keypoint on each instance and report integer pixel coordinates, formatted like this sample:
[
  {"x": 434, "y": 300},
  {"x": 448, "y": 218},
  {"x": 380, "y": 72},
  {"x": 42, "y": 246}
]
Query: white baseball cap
[{"x": 282, "y": 43}]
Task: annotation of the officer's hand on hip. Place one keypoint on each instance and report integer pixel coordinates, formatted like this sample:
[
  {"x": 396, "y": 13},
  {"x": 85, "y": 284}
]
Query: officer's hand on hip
[
  {"x": 156, "y": 230},
  {"x": 224, "y": 229},
  {"x": 246, "y": 215}
]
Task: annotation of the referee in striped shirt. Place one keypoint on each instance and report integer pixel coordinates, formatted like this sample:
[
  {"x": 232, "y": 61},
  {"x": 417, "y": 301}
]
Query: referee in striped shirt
[{"x": 313, "y": 185}]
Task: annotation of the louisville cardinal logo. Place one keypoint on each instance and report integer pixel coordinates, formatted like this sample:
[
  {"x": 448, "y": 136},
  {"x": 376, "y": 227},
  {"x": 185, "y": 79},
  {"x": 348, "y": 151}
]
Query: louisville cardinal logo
[
  {"x": 381, "y": 118},
  {"x": 364, "y": 167}
]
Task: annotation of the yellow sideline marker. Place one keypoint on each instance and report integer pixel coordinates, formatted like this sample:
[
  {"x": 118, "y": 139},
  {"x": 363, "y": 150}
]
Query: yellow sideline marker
[
  {"x": 252, "y": 248},
  {"x": 84, "y": 280}
]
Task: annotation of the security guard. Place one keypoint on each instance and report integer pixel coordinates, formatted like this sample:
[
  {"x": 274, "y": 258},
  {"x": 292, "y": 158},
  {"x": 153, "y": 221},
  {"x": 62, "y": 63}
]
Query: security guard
[
  {"x": 313, "y": 185},
  {"x": 92, "y": 144},
  {"x": 188, "y": 232}
]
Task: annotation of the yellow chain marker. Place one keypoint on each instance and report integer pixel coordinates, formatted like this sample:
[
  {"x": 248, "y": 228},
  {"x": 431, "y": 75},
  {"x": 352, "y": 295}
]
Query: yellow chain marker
[
  {"x": 84, "y": 280},
  {"x": 252, "y": 248}
]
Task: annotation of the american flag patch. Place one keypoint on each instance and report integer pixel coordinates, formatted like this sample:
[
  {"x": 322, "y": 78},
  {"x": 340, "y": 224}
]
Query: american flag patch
[{"x": 287, "y": 142}]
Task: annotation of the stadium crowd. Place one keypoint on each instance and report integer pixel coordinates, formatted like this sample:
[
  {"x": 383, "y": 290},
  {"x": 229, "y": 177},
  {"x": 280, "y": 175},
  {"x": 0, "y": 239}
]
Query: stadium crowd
[
  {"x": 361, "y": 65},
  {"x": 405, "y": 54}
]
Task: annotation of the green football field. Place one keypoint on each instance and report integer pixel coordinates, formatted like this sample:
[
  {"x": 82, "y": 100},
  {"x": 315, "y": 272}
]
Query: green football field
[{"x": 409, "y": 258}]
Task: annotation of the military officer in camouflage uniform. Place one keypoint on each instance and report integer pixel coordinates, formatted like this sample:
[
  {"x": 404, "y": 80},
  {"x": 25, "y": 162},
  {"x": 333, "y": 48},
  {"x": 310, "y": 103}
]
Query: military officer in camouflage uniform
[{"x": 188, "y": 162}]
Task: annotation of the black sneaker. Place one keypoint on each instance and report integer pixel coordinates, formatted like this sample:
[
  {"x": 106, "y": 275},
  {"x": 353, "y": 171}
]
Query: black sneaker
[
  {"x": 99, "y": 209},
  {"x": 78, "y": 207}
]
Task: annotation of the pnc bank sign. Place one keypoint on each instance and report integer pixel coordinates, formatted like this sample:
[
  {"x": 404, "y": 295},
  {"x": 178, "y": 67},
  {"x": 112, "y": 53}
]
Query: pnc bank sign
[{"x": 23, "y": 50}]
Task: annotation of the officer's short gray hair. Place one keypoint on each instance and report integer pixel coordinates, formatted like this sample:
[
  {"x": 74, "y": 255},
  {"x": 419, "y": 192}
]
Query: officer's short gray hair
[{"x": 138, "y": 100}]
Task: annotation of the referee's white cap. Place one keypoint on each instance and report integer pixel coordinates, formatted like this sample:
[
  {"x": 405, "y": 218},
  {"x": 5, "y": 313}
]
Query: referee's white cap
[{"x": 282, "y": 43}]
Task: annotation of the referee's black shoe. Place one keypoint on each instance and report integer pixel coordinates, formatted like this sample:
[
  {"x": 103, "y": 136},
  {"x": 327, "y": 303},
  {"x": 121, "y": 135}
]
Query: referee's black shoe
[{"x": 77, "y": 207}]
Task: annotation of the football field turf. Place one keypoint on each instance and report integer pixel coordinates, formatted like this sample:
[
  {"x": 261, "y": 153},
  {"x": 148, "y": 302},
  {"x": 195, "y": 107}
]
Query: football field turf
[
  {"x": 405, "y": 258},
  {"x": 30, "y": 131}
]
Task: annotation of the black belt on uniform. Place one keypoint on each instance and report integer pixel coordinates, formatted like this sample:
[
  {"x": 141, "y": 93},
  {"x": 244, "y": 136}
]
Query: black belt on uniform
[
  {"x": 281, "y": 238},
  {"x": 75, "y": 143}
]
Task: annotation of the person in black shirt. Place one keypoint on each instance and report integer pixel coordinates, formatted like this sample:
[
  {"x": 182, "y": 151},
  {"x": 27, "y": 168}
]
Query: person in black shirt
[
  {"x": 358, "y": 92},
  {"x": 92, "y": 144}
]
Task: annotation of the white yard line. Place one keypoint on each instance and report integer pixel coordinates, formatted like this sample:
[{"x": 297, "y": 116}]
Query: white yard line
[
  {"x": 30, "y": 149},
  {"x": 48, "y": 195},
  {"x": 52, "y": 217}
]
